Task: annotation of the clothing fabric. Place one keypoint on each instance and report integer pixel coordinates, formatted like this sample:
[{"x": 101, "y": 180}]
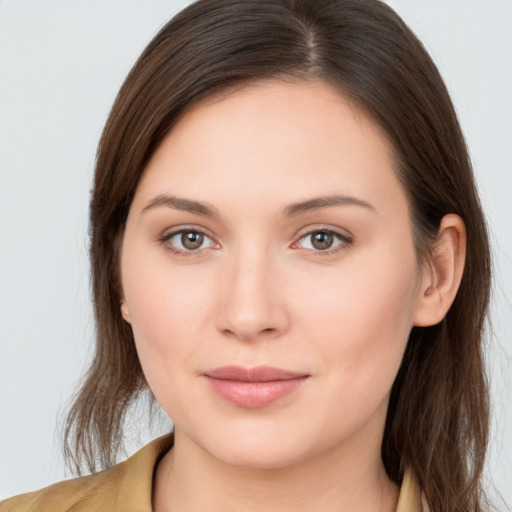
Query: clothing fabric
[{"x": 127, "y": 487}]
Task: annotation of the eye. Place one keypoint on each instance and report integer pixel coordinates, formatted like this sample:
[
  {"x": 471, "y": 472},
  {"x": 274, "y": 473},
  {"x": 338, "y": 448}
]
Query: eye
[
  {"x": 188, "y": 240},
  {"x": 323, "y": 240}
]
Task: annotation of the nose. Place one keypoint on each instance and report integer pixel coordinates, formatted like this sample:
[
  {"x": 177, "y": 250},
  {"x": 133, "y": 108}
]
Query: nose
[{"x": 253, "y": 298}]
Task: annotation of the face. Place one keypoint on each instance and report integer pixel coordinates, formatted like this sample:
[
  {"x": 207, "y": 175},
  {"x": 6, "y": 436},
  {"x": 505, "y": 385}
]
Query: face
[{"x": 270, "y": 275}]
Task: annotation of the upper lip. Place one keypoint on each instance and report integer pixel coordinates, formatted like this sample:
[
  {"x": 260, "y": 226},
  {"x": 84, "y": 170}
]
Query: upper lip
[{"x": 254, "y": 374}]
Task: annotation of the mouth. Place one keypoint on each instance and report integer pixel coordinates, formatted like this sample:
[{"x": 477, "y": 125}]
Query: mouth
[{"x": 253, "y": 387}]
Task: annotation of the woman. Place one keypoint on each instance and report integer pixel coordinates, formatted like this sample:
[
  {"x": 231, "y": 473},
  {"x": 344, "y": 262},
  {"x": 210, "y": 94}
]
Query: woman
[{"x": 288, "y": 250}]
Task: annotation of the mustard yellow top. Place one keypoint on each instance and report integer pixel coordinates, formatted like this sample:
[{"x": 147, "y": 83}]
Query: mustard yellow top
[{"x": 127, "y": 487}]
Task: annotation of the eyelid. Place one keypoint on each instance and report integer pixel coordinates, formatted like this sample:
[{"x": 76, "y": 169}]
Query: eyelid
[
  {"x": 345, "y": 240},
  {"x": 165, "y": 238}
]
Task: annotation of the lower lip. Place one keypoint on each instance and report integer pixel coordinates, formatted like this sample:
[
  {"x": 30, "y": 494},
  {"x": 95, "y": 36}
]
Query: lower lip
[{"x": 254, "y": 394}]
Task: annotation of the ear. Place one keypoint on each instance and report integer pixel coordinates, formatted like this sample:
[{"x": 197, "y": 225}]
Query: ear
[
  {"x": 442, "y": 273},
  {"x": 125, "y": 312}
]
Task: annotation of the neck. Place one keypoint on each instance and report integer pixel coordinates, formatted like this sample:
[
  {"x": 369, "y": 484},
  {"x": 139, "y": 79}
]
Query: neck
[{"x": 188, "y": 479}]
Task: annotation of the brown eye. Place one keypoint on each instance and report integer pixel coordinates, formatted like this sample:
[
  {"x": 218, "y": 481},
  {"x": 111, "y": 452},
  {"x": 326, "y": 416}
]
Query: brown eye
[
  {"x": 192, "y": 240},
  {"x": 187, "y": 241},
  {"x": 324, "y": 240}
]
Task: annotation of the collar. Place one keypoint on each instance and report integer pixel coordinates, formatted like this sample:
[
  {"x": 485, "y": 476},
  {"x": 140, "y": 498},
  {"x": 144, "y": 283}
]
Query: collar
[{"x": 137, "y": 481}]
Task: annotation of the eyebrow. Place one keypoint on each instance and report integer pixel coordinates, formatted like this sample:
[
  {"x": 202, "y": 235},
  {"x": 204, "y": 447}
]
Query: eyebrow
[
  {"x": 180, "y": 203},
  {"x": 324, "y": 202},
  {"x": 295, "y": 209}
]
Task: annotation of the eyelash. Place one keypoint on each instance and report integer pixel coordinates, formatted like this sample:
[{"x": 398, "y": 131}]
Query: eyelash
[
  {"x": 165, "y": 240},
  {"x": 344, "y": 242}
]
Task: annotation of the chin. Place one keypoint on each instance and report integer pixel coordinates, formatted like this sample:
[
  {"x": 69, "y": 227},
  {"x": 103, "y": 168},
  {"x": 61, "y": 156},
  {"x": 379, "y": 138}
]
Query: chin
[
  {"x": 263, "y": 448},
  {"x": 259, "y": 457}
]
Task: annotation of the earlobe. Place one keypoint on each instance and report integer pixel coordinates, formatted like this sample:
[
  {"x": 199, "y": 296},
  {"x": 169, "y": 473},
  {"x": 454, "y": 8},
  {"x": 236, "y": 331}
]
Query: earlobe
[
  {"x": 125, "y": 312},
  {"x": 442, "y": 273}
]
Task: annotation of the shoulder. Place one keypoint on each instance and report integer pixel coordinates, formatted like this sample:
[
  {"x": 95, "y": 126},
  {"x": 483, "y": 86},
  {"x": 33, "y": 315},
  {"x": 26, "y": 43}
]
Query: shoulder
[
  {"x": 124, "y": 487},
  {"x": 95, "y": 492}
]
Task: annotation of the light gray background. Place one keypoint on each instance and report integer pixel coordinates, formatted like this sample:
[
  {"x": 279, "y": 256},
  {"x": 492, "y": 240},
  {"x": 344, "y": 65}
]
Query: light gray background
[{"x": 61, "y": 64}]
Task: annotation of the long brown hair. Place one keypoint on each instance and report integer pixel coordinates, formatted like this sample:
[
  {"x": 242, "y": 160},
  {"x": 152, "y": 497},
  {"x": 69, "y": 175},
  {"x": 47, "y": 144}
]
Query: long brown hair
[{"x": 437, "y": 421}]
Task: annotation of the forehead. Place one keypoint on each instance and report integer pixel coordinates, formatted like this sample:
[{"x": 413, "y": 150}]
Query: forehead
[{"x": 274, "y": 138}]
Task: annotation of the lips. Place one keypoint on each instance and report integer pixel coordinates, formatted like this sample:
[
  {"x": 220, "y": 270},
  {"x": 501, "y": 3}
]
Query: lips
[{"x": 253, "y": 387}]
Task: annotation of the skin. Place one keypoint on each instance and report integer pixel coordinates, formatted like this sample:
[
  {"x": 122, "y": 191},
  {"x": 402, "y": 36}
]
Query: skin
[{"x": 259, "y": 292}]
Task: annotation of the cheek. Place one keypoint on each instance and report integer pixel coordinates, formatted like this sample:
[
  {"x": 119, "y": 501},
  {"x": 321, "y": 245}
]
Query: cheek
[
  {"x": 169, "y": 308},
  {"x": 360, "y": 319}
]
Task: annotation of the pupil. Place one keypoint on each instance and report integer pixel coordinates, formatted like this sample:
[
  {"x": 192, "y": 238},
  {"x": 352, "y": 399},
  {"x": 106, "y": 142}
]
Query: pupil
[
  {"x": 322, "y": 240},
  {"x": 191, "y": 240}
]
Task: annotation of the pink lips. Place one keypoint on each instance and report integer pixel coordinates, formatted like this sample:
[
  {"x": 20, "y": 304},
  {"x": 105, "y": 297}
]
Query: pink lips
[{"x": 253, "y": 387}]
